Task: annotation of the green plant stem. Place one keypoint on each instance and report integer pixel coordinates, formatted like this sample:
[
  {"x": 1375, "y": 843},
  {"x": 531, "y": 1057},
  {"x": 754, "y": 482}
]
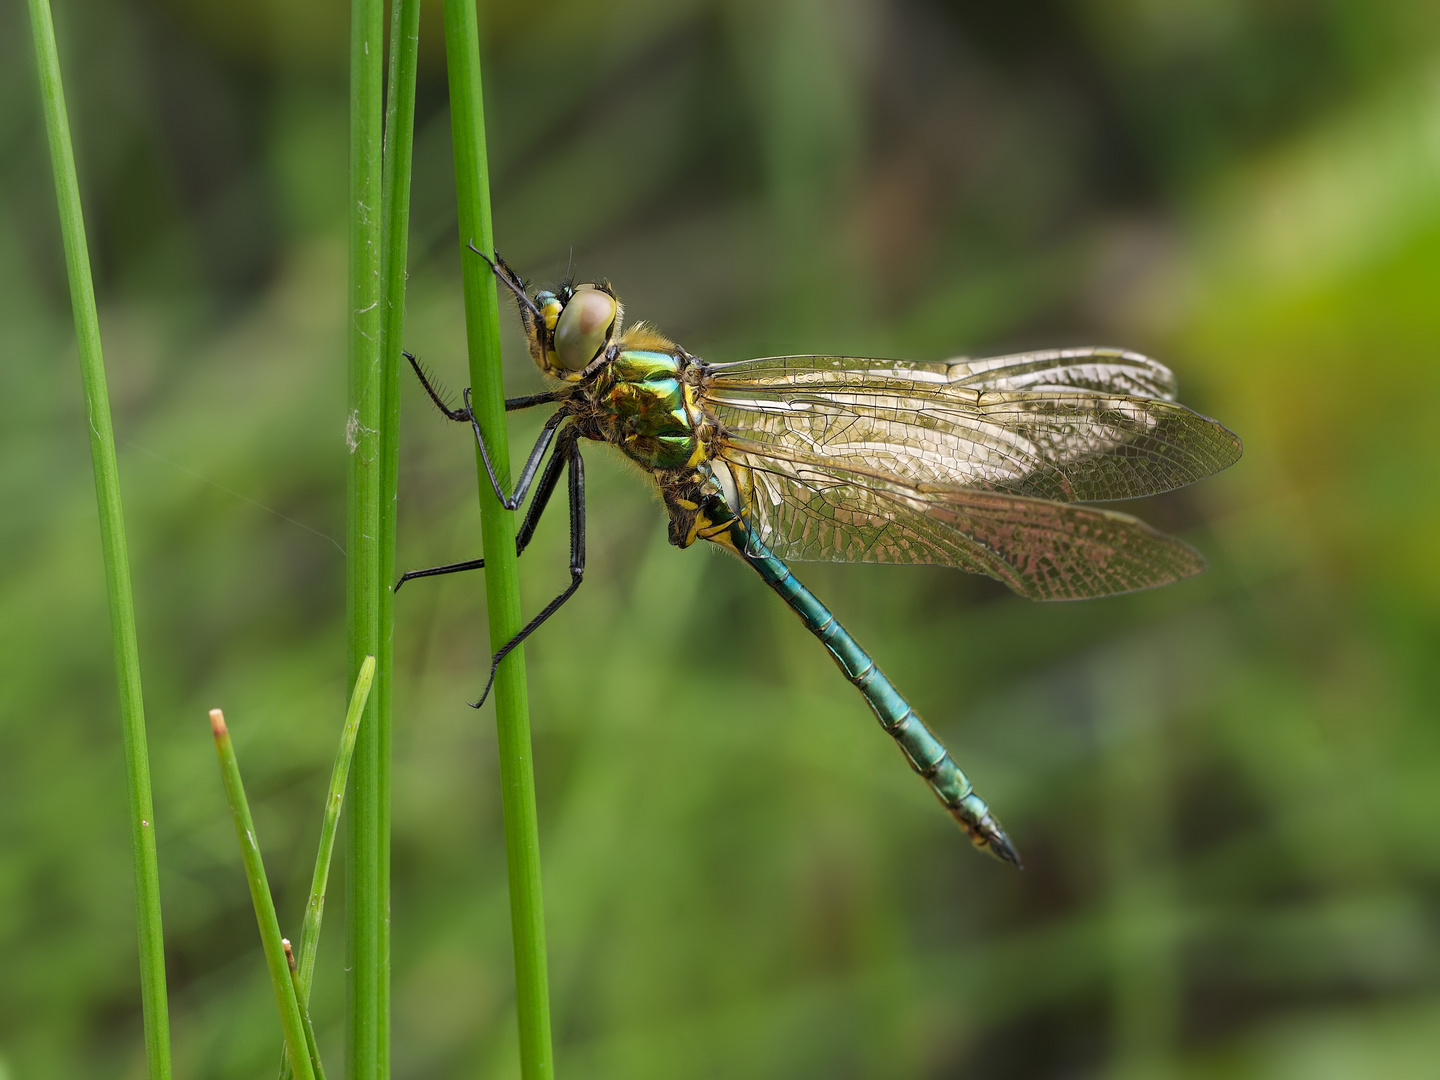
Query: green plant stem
[
  {"x": 329, "y": 826},
  {"x": 395, "y": 201},
  {"x": 112, "y": 541},
  {"x": 502, "y": 586},
  {"x": 290, "y": 1021},
  {"x": 363, "y": 888},
  {"x": 301, "y": 998}
]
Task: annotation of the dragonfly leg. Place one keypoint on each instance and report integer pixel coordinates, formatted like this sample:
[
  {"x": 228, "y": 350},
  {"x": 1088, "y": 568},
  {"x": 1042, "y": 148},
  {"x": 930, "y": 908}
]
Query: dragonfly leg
[
  {"x": 524, "y": 401},
  {"x": 437, "y": 571},
  {"x": 543, "y": 491},
  {"x": 570, "y": 449},
  {"x": 508, "y": 278},
  {"x": 467, "y": 415},
  {"x": 532, "y": 463},
  {"x": 537, "y": 452},
  {"x": 461, "y": 415}
]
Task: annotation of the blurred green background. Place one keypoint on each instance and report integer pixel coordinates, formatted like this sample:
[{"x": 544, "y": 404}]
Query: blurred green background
[{"x": 1227, "y": 792}]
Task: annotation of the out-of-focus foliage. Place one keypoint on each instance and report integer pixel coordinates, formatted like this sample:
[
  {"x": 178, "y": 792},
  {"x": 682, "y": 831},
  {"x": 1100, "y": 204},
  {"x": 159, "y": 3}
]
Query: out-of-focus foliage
[{"x": 1227, "y": 792}]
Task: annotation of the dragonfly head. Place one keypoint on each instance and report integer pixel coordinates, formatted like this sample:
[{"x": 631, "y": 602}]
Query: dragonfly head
[{"x": 573, "y": 327}]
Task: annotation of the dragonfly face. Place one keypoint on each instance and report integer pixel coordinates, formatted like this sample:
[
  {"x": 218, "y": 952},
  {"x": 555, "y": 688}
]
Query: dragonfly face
[
  {"x": 568, "y": 328},
  {"x": 976, "y": 464}
]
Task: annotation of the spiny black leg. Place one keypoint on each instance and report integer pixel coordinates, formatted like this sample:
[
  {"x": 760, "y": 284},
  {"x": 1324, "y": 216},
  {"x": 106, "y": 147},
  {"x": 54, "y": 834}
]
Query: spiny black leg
[
  {"x": 453, "y": 414},
  {"x": 548, "y": 479},
  {"x": 436, "y": 571},
  {"x": 530, "y": 400},
  {"x": 543, "y": 491},
  {"x": 577, "y": 561},
  {"x": 532, "y": 463},
  {"x": 526, "y": 401},
  {"x": 537, "y": 452}
]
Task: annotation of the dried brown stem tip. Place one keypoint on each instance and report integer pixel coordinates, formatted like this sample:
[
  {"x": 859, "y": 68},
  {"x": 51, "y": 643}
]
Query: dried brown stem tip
[
  {"x": 289, "y": 953},
  {"x": 217, "y": 723}
]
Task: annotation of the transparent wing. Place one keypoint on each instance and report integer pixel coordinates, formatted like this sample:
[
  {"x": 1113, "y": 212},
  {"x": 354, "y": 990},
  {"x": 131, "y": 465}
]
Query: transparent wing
[
  {"x": 804, "y": 507},
  {"x": 1112, "y": 371},
  {"x": 1084, "y": 425}
]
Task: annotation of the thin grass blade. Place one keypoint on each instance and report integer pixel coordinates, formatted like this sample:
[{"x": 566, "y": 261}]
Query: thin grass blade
[
  {"x": 146, "y": 867},
  {"x": 329, "y": 828},
  {"x": 310, "y": 1044},
  {"x": 285, "y": 1000}
]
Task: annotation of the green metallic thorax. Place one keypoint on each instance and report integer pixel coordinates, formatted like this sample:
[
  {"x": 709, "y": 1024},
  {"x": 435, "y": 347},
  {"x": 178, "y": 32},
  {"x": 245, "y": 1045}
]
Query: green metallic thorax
[{"x": 645, "y": 402}]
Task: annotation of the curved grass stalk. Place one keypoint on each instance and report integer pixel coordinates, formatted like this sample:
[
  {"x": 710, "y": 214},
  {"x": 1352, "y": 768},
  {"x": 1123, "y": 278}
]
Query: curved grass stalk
[{"x": 112, "y": 540}]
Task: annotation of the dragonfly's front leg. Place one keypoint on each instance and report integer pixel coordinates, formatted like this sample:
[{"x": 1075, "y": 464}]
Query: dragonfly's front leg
[
  {"x": 569, "y": 452},
  {"x": 467, "y": 415},
  {"x": 547, "y": 481},
  {"x": 543, "y": 491},
  {"x": 509, "y": 502},
  {"x": 525, "y": 401}
]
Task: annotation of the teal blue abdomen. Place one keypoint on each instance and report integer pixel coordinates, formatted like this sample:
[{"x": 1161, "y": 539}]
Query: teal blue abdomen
[{"x": 927, "y": 755}]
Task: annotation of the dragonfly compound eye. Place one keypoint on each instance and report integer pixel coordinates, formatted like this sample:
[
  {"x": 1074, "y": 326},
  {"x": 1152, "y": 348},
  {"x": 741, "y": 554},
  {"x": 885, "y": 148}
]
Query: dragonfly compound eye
[{"x": 584, "y": 327}]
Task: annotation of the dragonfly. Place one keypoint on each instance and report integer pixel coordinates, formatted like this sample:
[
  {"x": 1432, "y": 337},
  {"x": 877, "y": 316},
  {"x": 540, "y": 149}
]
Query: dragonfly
[{"x": 981, "y": 465}]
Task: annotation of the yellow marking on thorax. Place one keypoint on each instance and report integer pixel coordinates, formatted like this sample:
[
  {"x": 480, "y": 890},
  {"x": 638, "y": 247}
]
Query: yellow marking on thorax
[{"x": 696, "y": 418}]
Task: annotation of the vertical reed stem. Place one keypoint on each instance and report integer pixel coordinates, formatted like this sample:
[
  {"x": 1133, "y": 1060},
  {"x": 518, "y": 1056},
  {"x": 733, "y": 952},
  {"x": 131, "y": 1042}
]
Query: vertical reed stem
[
  {"x": 395, "y": 200},
  {"x": 502, "y": 585},
  {"x": 363, "y": 887}
]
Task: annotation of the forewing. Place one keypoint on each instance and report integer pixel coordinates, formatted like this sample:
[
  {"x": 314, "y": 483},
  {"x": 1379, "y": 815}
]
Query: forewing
[
  {"x": 1102, "y": 370},
  {"x": 1071, "y": 425},
  {"x": 807, "y": 508}
]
